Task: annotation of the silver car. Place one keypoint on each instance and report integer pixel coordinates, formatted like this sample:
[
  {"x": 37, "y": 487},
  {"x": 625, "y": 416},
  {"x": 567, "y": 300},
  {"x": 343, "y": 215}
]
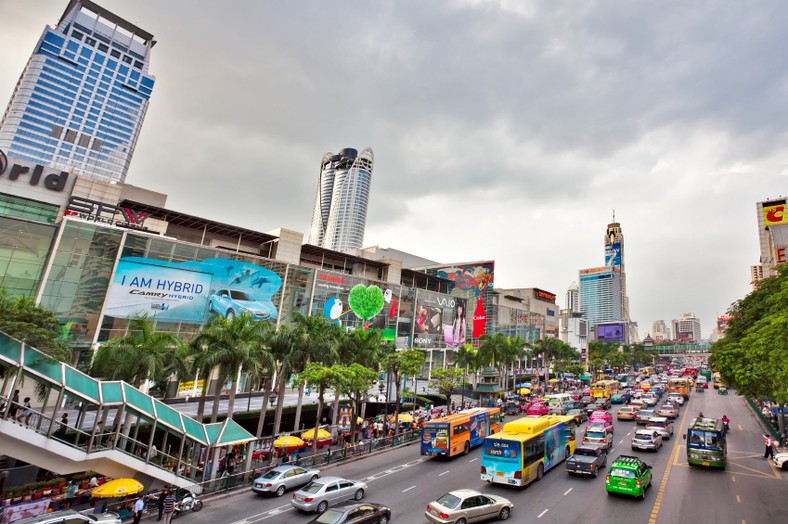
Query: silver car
[
  {"x": 462, "y": 506},
  {"x": 71, "y": 516},
  {"x": 661, "y": 425},
  {"x": 319, "y": 494},
  {"x": 647, "y": 439},
  {"x": 281, "y": 478}
]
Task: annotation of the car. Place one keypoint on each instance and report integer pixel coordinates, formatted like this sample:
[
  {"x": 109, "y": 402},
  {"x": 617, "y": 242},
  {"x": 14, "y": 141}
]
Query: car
[
  {"x": 586, "y": 399},
  {"x": 537, "y": 409},
  {"x": 642, "y": 416},
  {"x": 559, "y": 409},
  {"x": 228, "y": 303},
  {"x": 321, "y": 493},
  {"x": 71, "y": 517},
  {"x": 355, "y": 513},
  {"x": 603, "y": 402},
  {"x": 601, "y": 417},
  {"x": 579, "y": 414},
  {"x": 626, "y": 413},
  {"x": 667, "y": 410},
  {"x": 466, "y": 505},
  {"x": 587, "y": 459},
  {"x": 662, "y": 426},
  {"x": 281, "y": 478},
  {"x": 620, "y": 398},
  {"x": 576, "y": 404},
  {"x": 650, "y": 400},
  {"x": 781, "y": 460},
  {"x": 628, "y": 475},
  {"x": 677, "y": 397},
  {"x": 646, "y": 439},
  {"x": 598, "y": 435}
]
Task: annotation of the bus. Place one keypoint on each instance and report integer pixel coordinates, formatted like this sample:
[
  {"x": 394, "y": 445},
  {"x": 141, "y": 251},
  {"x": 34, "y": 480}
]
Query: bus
[
  {"x": 458, "y": 433},
  {"x": 706, "y": 443},
  {"x": 604, "y": 388},
  {"x": 527, "y": 448},
  {"x": 646, "y": 372},
  {"x": 679, "y": 385},
  {"x": 716, "y": 380}
]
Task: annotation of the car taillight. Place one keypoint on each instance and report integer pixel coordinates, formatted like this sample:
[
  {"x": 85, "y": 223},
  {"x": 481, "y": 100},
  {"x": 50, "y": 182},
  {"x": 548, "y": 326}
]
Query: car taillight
[
  {"x": 607, "y": 478},
  {"x": 484, "y": 470},
  {"x": 518, "y": 474},
  {"x": 585, "y": 439},
  {"x": 268, "y": 484},
  {"x": 571, "y": 438},
  {"x": 309, "y": 499},
  {"x": 637, "y": 483},
  {"x": 428, "y": 507},
  {"x": 444, "y": 515},
  {"x": 604, "y": 441},
  {"x": 591, "y": 467}
]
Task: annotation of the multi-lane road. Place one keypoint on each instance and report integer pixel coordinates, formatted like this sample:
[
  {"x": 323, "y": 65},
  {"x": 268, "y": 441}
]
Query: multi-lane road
[{"x": 750, "y": 491}]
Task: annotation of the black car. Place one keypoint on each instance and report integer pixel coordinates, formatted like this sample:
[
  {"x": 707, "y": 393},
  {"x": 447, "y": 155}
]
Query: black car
[
  {"x": 355, "y": 512},
  {"x": 586, "y": 400},
  {"x": 604, "y": 402},
  {"x": 575, "y": 404}
]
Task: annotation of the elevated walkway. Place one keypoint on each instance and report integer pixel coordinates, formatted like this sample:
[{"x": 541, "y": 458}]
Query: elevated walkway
[{"x": 112, "y": 428}]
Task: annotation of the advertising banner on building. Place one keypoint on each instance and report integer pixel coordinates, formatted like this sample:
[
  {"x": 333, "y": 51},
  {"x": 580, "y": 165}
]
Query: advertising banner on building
[
  {"x": 613, "y": 332},
  {"x": 353, "y": 303},
  {"x": 613, "y": 255},
  {"x": 191, "y": 291},
  {"x": 476, "y": 277},
  {"x": 440, "y": 321},
  {"x": 774, "y": 213}
]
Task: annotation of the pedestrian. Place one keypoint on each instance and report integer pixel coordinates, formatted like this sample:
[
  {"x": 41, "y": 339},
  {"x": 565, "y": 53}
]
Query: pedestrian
[
  {"x": 27, "y": 413},
  {"x": 14, "y": 405},
  {"x": 61, "y": 431},
  {"x": 139, "y": 505},
  {"x": 169, "y": 507},
  {"x": 768, "y": 443}
]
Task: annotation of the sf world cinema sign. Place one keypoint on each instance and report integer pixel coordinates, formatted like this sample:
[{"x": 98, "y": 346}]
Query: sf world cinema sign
[
  {"x": 34, "y": 177},
  {"x": 96, "y": 211}
]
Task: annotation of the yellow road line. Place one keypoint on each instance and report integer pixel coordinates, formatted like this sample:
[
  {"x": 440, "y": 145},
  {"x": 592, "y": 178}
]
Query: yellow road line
[
  {"x": 674, "y": 458},
  {"x": 738, "y": 499}
]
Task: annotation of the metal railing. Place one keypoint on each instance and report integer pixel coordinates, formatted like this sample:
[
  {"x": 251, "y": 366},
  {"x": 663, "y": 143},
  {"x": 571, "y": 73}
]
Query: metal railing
[{"x": 766, "y": 422}]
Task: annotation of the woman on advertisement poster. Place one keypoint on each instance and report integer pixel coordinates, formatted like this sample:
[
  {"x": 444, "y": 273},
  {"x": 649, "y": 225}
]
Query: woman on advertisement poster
[{"x": 459, "y": 327}]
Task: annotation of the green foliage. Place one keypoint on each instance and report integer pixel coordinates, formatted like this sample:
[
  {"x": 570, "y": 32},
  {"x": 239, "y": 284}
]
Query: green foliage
[
  {"x": 752, "y": 355},
  {"x": 366, "y": 302},
  {"x": 445, "y": 380},
  {"x": 22, "y": 319}
]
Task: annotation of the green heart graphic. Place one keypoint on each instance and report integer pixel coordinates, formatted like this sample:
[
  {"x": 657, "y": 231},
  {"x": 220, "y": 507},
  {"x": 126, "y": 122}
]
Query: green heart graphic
[{"x": 366, "y": 302}]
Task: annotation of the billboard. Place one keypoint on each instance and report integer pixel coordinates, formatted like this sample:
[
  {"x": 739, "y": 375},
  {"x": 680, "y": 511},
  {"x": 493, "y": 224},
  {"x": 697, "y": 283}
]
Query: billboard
[
  {"x": 613, "y": 255},
  {"x": 477, "y": 277},
  {"x": 613, "y": 332},
  {"x": 440, "y": 320},
  {"x": 349, "y": 302},
  {"x": 191, "y": 291},
  {"x": 774, "y": 213}
]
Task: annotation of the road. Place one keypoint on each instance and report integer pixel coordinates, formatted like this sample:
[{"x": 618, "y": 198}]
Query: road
[{"x": 749, "y": 491}]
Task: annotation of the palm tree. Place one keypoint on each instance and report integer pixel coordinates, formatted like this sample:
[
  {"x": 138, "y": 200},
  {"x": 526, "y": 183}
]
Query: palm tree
[
  {"x": 466, "y": 358},
  {"x": 229, "y": 345},
  {"x": 284, "y": 347},
  {"x": 512, "y": 351},
  {"x": 492, "y": 348}
]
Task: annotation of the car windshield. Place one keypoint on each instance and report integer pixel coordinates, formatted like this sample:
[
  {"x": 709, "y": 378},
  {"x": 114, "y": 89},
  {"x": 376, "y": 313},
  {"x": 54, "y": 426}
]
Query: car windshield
[
  {"x": 313, "y": 487},
  {"x": 271, "y": 474},
  {"x": 448, "y": 501},
  {"x": 645, "y": 413},
  {"x": 622, "y": 473},
  {"x": 330, "y": 516},
  {"x": 595, "y": 434},
  {"x": 658, "y": 423},
  {"x": 239, "y": 295},
  {"x": 644, "y": 436}
]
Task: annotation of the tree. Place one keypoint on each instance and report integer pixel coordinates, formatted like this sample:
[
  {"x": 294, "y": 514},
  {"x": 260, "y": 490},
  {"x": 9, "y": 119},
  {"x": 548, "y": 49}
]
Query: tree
[
  {"x": 284, "y": 346},
  {"x": 358, "y": 380},
  {"x": 143, "y": 354},
  {"x": 467, "y": 358},
  {"x": 751, "y": 355},
  {"x": 229, "y": 345},
  {"x": 445, "y": 380},
  {"x": 400, "y": 363},
  {"x": 23, "y": 320},
  {"x": 321, "y": 378}
]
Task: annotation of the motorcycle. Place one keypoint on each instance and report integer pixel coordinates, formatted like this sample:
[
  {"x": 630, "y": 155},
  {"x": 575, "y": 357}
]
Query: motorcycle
[
  {"x": 188, "y": 503},
  {"x": 726, "y": 426}
]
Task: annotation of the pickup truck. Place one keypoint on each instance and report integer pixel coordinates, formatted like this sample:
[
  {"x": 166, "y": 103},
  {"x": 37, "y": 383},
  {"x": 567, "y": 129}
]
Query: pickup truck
[{"x": 587, "y": 460}]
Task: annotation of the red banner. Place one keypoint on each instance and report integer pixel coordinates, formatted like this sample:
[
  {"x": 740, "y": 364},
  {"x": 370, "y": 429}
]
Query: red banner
[{"x": 479, "y": 320}]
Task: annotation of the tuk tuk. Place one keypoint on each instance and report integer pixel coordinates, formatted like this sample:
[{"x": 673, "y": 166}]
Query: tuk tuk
[
  {"x": 723, "y": 389},
  {"x": 512, "y": 408}
]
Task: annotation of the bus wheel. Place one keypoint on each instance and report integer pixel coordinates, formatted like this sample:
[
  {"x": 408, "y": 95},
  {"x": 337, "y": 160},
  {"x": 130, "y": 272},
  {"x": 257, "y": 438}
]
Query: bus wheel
[
  {"x": 568, "y": 452},
  {"x": 467, "y": 448},
  {"x": 540, "y": 472}
]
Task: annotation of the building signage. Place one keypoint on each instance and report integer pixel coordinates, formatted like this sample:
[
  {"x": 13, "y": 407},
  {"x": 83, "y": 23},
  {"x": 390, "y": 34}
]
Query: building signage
[
  {"x": 96, "y": 211},
  {"x": 544, "y": 295},
  {"x": 51, "y": 181},
  {"x": 774, "y": 213}
]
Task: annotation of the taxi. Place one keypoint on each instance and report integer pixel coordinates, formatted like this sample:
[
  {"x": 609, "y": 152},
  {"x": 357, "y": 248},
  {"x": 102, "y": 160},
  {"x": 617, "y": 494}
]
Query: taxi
[{"x": 628, "y": 475}]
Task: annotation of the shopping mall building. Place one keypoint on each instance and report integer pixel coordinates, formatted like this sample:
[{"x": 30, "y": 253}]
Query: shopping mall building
[{"x": 98, "y": 254}]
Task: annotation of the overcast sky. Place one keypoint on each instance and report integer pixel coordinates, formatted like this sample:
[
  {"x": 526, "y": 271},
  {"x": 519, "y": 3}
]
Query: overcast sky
[{"x": 504, "y": 130}]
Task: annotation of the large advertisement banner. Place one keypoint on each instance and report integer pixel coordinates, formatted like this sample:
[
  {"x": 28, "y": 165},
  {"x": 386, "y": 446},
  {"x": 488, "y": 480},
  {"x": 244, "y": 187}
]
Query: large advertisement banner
[
  {"x": 774, "y": 213},
  {"x": 610, "y": 332},
  {"x": 478, "y": 278},
  {"x": 191, "y": 291},
  {"x": 613, "y": 255}
]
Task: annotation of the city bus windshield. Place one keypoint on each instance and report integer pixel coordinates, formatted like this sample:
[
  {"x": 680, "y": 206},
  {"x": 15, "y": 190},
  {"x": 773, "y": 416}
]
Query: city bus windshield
[{"x": 704, "y": 439}]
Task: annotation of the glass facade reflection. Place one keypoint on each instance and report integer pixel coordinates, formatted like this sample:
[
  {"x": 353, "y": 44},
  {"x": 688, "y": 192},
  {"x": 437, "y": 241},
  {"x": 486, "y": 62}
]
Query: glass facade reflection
[{"x": 24, "y": 249}]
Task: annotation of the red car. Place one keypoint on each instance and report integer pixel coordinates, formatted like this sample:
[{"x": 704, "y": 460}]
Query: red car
[{"x": 537, "y": 409}]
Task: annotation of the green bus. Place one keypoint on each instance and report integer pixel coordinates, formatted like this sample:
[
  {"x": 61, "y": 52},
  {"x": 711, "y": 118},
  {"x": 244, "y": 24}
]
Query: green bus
[{"x": 706, "y": 444}]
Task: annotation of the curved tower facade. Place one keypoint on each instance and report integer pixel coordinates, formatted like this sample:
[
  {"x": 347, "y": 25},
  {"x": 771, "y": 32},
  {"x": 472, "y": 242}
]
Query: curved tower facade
[{"x": 340, "y": 213}]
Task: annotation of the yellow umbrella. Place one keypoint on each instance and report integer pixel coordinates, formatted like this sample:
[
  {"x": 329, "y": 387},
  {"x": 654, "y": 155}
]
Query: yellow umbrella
[
  {"x": 359, "y": 421},
  {"x": 403, "y": 417},
  {"x": 288, "y": 441},
  {"x": 553, "y": 380},
  {"x": 322, "y": 434},
  {"x": 117, "y": 488},
  {"x": 523, "y": 391}
]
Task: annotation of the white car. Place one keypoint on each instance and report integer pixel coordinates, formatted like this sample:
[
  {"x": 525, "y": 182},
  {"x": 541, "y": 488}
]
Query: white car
[
  {"x": 662, "y": 426},
  {"x": 677, "y": 397},
  {"x": 319, "y": 494},
  {"x": 647, "y": 439},
  {"x": 781, "y": 460}
]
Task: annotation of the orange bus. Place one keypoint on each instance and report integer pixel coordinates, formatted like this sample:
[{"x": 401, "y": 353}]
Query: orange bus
[
  {"x": 679, "y": 385},
  {"x": 458, "y": 433},
  {"x": 604, "y": 388}
]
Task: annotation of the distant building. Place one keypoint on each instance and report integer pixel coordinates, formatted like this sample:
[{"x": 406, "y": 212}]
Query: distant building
[
  {"x": 772, "y": 218},
  {"x": 687, "y": 329},
  {"x": 756, "y": 275},
  {"x": 340, "y": 213},
  {"x": 572, "y": 302},
  {"x": 661, "y": 331},
  {"x": 82, "y": 97},
  {"x": 600, "y": 295}
]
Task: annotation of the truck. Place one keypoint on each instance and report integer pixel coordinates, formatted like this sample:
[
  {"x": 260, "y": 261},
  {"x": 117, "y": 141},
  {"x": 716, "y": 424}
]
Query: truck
[{"x": 588, "y": 459}]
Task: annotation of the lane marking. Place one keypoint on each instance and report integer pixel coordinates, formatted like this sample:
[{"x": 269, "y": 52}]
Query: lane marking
[
  {"x": 621, "y": 441},
  {"x": 474, "y": 460},
  {"x": 408, "y": 489},
  {"x": 661, "y": 492},
  {"x": 567, "y": 492},
  {"x": 738, "y": 499},
  {"x": 542, "y": 513},
  {"x": 442, "y": 474},
  {"x": 733, "y": 478}
]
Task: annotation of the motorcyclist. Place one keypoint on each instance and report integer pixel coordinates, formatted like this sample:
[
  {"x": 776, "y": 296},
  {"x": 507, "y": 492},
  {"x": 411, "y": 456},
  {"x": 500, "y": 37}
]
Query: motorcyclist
[
  {"x": 726, "y": 423},
  {"x": 700, "y": 414}
]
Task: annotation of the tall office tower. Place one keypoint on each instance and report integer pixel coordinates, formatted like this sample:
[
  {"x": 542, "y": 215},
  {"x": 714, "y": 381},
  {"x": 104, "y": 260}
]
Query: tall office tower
[
  {"x": 772, "y": 234},
  {"x": 614, "y": 257},
  {"x": 340, "y": 214},
  {"x": 600, "y": 295},
  {"x": 687, "y": 328},
  {"x": 756, "y": 275},
  {"x": 573, "y": 298},
  {"x": 81, "y": 100}
]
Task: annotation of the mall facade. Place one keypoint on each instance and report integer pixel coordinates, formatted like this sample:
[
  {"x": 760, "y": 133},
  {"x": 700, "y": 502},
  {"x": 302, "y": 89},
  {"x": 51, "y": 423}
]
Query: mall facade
[{"x": 99, "y": 254}]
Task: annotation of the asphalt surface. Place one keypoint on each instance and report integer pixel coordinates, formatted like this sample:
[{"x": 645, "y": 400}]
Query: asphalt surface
[{"x": 750, "y": 490}]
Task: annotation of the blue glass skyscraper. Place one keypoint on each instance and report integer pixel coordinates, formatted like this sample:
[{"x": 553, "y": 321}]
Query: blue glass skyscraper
[{"x": 81, "y": 100}]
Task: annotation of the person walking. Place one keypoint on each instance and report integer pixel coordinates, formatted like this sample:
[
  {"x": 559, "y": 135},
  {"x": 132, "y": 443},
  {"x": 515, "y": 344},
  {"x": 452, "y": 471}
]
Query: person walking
[
  {"x": 169, "y": 507},
  {"x": 768, "y": 442},
  {"x": 27, "y": 413},
  {"x": 139, "y": 505},
  {"x": 14, "y": 407},
  {"x": 160, "y": 503}
]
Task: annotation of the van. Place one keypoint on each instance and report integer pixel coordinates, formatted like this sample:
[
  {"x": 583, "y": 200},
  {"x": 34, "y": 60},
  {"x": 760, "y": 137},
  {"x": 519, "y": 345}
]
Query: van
[{"x": 69, "y": 516}]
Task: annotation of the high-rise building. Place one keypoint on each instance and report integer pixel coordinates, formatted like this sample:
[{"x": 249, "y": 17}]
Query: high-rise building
[
  {"x": 340, "y": 213},
  {"x": 772, "y": 236},
  {"x": 572, "y": 303},
  {"x": 614, "y": 257},
  {"x": 82, "y": 97},
  {"x": 756, "y": 275},
  {"x": 660, "y": 331},
  {"x": 600, "y": 295},
  {"x": 687, "y": 329}
]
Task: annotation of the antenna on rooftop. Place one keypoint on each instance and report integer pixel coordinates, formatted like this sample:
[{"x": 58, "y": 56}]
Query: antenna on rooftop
[{"x": 614, "y": 215}]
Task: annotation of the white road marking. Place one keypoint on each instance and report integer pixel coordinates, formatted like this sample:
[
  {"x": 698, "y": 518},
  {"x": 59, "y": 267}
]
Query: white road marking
[
  {"x": 542, "y": 513},
  {"x": 567, "y": 492},
  {"x": 621, "y": 441},
  {"x": 442, "y": 474},
  {"x": 474, "y": 460},
  {"x": 408, "y": 489}
]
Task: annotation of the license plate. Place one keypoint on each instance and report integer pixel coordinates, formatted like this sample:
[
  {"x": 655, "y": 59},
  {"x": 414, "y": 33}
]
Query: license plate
[
  {"x": 622, "y": 483},
  {"x": 499, "y": 473},
  {"x": 434, "y": 512},
  {"x": 705, "y": 463}
]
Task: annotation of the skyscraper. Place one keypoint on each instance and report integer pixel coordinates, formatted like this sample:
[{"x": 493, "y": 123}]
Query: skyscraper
[
  {"x": 600, "y": 295},
  {"x": 572, "y": 303},
  {"x": 687, "y": 329},
  {"x": 82, "y": 97},
  {"x": 340, "y": 214},
  {"x": 614, "y": 257}
]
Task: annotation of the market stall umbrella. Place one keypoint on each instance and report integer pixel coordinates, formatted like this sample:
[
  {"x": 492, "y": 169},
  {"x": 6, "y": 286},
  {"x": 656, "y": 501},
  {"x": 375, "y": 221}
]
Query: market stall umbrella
[
  {"x": 117, "y": 488},
  {"x": 403, "y": 417},
  {"x": 553, "y": 380},
  {"x": 523, "y": 391},
  {"x": 289, "y": 441},
  {"x": 322, "y": 434}
]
